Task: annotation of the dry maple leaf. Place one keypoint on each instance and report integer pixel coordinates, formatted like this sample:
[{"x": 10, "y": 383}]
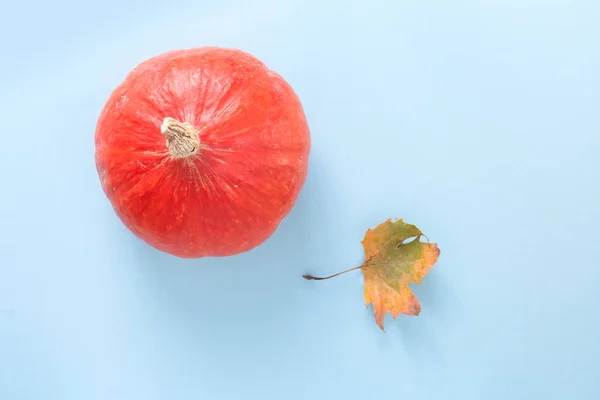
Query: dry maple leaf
[{"x": 391, "y": 263}]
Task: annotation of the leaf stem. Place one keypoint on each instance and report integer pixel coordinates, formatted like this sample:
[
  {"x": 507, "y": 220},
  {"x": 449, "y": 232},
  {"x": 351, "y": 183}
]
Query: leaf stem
[{"x": 313, "y": 278}]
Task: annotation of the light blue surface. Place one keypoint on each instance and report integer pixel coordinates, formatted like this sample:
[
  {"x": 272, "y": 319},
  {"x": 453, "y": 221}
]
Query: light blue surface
[{"x": 479, "y": 121}]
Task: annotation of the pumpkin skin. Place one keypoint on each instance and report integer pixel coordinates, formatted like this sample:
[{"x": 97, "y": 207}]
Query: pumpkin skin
[{"x": 202, "y": 152}]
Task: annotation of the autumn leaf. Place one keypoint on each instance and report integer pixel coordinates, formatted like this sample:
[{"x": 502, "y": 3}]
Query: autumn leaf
[
  {"x": 391, "y": 264},
  {"x": 394, "y": 257}
]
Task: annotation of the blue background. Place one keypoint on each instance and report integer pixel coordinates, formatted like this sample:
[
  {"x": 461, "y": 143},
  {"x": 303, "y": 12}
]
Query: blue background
[{"x": 479, "y": 121}]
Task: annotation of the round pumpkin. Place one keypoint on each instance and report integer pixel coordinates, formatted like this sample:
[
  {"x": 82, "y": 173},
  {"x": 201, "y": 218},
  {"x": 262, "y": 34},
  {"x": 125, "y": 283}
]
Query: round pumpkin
[{"x": 202, "y": 152}]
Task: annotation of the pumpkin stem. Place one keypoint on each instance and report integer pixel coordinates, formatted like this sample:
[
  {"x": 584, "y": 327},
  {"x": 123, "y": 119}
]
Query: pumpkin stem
[{"x": 182, "y": 137}]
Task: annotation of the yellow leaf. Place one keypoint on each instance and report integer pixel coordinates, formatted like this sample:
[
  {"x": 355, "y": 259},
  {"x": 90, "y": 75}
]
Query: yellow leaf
[
  {"x": 394, "y": 257},
  {"x": 391, "y": 264}
]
